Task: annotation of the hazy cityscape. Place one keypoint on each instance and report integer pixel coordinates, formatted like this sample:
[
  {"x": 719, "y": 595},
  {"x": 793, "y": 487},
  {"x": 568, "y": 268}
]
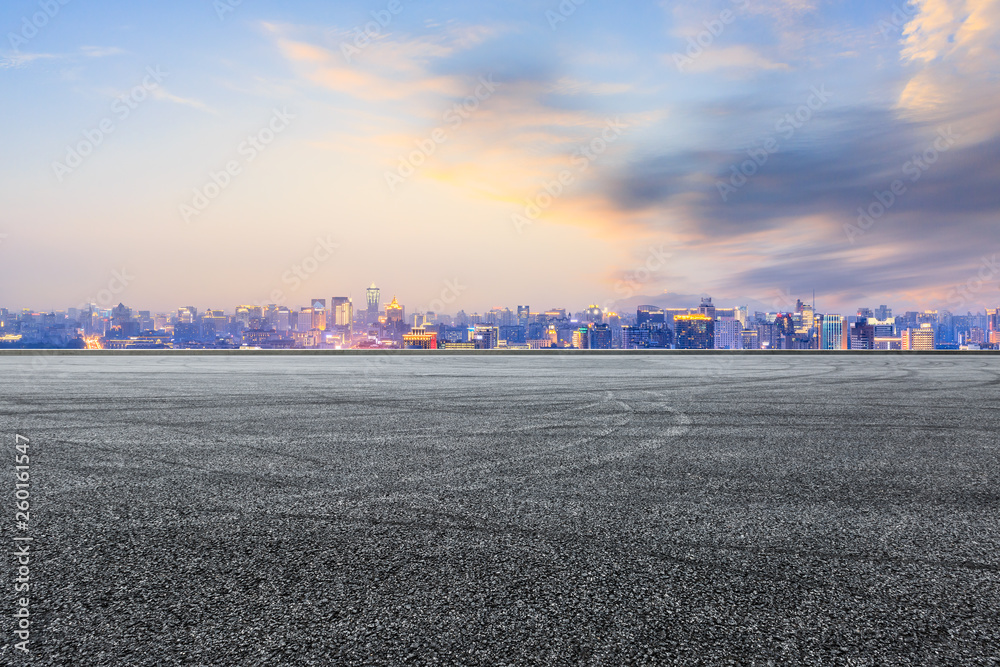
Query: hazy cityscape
[{"x": 339, "y": 323}]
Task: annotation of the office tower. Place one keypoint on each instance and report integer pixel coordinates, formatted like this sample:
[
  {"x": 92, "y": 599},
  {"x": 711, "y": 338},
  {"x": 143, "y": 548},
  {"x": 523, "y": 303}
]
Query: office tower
[
  {"x": 883, "y": 312},
  {"x": 694, "y": 332},
  {"x": 862, "y": 335},
  {"x": 523, "y": 315},
  {"x": 728, "y": 334},
  {"x": 751, "y": 340},
  {"x": 514, "y": 335},
  {"x": 636, "y": 337},
  {"x": 318, "y": 314},
  {"x": 318, "y": 319},
  {"x": 768, "y": 337},
  {"x": 921, "y": 338},
  {"x": 394, "y": 312},
  {"x": 372, "y": 295},
  {"x": 485, "y": 337},
  {"x": 615, "y": 323},
  {"x": 651, "y": 314},
  {"x": 833, "y": 332},
  {"x": 342, "y": 310},
  {"x": 706, "y": 308},
  {"x": 865, "y": 313},
  {"x": 600, "y": 337}
]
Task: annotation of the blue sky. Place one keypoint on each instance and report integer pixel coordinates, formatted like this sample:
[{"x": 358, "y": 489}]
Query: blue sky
[{"x": 275, "y": 152}]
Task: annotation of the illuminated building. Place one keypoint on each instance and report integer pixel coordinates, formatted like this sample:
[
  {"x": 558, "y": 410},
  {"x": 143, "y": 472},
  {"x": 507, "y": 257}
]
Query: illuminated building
[
  {"x": 372, "y": 295},
  {"x": 600, "y": 337},
  {"x": 485, "y": 337},
  {"x": 649, "y": 314},
  {"x": 318, "y": 314},
  {"x": 342, "y": 310},
  {"x": 728, "y": 334},
  {"x": 694, "y": 332},
  {"x": 394, "y": 312},
  {"x": 523, "y": 315},
  {"x": 862, "y": 335},
  {"x": 513, "y": 335},
  {"x": 580, "y": 338},
  {"x": 833, "y": 332},
  {"x": 420, "y": 339},
  {"x": 751, "y": 341},
  {"x": 635, "y": 338},
  {"x": 706, "y": 308},
  {"x": 458, "y": 346},
  {"x": 918, "y": 339},
  {"x": 806, "y": 318},
  {"x": 593, "y": 315},
  {"x": 888, "y": 343}
]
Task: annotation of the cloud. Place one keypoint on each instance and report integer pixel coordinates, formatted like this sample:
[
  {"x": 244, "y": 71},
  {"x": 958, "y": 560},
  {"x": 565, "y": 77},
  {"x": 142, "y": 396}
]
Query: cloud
[
  {"x": 101, "y": 51},
  {"x": 737, "y": 57},
  {"x": 19, "y": 60},
  {"x": 953, "y": 48},
  {"x": 161, "y": 94}
]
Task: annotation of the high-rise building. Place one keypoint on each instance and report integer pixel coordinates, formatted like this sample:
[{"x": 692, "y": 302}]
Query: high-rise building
[
  {"x": 394, "y": 312},
  {"x": 319, "y": 314},
  {"x": 635, "y": 338},
  {"x": 768, "y": 337},
  {"x": 694, "y": 332},
  {"x": 918, "y": 339},
  {"x": 372, "y": 295},
  {"x": 751, "y": 339},
  {"x": 706, "y": 308},
  {"x": 485, "y": 337},
  {"x": 523, "y": 315},
  {"x": 593, "y": 315},
  {"x": 833, "y": 332},
  {"x": 342, "y": 311},
  {"x": 652, "y": 314},
  {"x": 728, "y": 334},
  {"x": 600, "y": 337},
  {"x": 863, "y": 335}
]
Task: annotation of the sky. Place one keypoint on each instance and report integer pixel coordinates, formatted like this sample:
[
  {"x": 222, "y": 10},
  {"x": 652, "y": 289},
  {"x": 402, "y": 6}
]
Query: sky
[{"x": 471, "y": 155}]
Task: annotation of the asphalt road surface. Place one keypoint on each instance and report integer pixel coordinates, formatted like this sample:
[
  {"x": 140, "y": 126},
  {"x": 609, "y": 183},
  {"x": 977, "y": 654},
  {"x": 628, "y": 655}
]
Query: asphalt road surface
[{"x": 644, "y": 510}]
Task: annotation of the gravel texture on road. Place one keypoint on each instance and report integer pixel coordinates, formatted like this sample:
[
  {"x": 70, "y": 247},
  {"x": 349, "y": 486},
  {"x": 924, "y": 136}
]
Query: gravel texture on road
[{"x": 642, "y": 510}]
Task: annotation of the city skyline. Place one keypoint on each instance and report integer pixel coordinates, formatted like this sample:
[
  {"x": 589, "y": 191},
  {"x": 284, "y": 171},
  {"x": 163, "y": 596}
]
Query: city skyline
[
  {"x": 334, "y": 323},
  {"x": 212, "y": 151}
]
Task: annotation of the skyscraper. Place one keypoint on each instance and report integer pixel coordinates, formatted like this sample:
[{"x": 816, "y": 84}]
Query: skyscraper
[
  {"x": 694, "y": 332},
  {"x": 833, "y": 332},
  {"x": 372, "y": 293},
  {"x": 394, "y": 312},
  {"x": 652, "y": 314},
  {"x": 342, "y": 311},
  {"x": 919, "y": 339},
  {"x": 319, "y": 314},
  {"x": 706, "y": 308},
  {"x": 600, "y": 337}
]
